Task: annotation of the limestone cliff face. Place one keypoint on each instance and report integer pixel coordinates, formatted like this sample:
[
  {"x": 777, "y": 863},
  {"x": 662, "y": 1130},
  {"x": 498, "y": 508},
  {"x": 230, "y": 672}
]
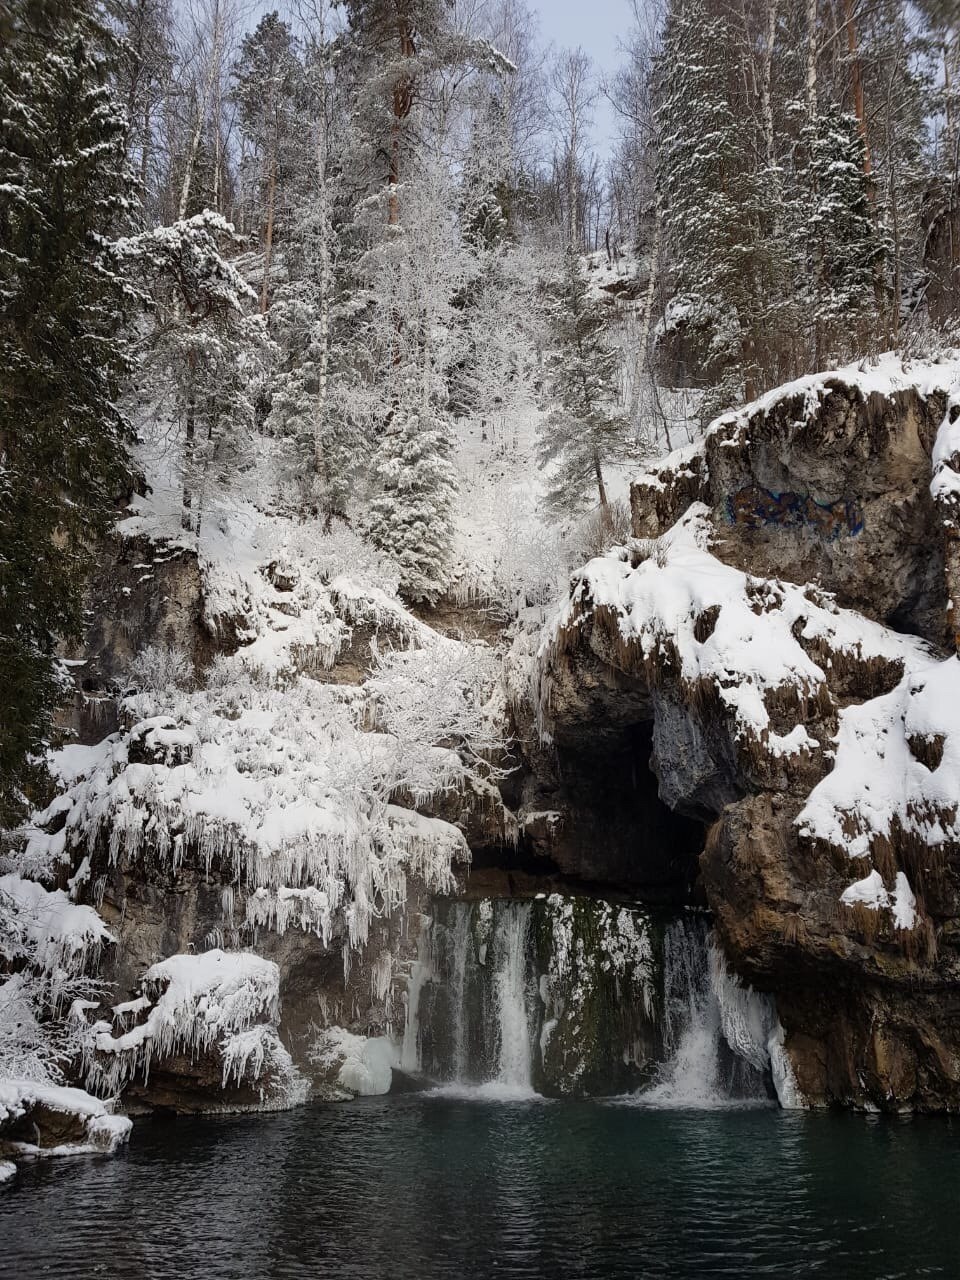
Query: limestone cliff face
[
  {"x": 748, "y": 708},
  {"x": 157, "y": 906},
  {"x": 787, "y": 718}
]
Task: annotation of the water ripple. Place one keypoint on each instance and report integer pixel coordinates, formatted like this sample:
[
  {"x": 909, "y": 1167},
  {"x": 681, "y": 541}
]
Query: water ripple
[{"x": 418, "y": 1186}]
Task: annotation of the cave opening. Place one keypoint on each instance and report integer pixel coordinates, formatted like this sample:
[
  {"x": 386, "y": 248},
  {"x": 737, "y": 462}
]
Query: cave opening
[{"x": 595, "y": 823}]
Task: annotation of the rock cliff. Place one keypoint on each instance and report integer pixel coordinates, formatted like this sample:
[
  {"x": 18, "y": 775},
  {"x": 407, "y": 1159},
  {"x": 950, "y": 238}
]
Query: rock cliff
[{"x": 781, "y": 633}]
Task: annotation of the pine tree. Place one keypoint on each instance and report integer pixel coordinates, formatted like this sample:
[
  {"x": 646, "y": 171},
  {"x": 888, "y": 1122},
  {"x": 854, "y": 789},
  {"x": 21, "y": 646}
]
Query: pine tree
[
  {"x": 393, "y": 43},
  {"x": 412, "y": 340},
  {"x": 330, "y": 446},
  {"x": 64, "y": 191},
  {"x": 266, "y": 75},
  {"x": 584, "y": 430},
  {"x": 207, "y": 353},
  {"x": 411, "y": 516},
  {"x": 844, "y": 248},
  {"x": 721, "y": 214}
]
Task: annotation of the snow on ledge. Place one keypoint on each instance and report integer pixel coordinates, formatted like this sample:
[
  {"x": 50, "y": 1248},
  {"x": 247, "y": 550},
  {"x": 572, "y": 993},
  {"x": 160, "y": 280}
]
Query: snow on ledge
[
  {"x": 897, "y": 765},
  {"x": 887, "y": 375},
  {"x": 103, "y": 1131},
  {"x": 871, "y": 892},
  {"x": 680, "y": 605}
]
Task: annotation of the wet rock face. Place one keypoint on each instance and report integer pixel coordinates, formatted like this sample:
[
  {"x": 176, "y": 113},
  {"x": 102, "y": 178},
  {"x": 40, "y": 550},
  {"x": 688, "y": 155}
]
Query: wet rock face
[{"x": 870, "y": 1010}]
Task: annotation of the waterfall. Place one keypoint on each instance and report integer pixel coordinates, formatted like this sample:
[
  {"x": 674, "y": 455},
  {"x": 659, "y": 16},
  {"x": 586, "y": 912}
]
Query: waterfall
[
  {"x": 512, "y": 982},
  {"x": 472, "y": 1003},
  {"x": 571, "y": 995},
  {"x": 552, "y": 995},
  {"x": 723, "y": 1041}
]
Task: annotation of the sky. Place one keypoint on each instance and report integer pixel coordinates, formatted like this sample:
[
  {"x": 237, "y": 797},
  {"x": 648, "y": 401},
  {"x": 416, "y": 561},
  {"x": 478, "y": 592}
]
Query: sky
[{"x": 597, "y": 26}]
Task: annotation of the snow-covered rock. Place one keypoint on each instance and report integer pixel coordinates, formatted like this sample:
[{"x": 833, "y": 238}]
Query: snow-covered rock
[
  {"x": 38, "y": 1119},
  {"x": 828, "y": 479},
  {"x": 222, "y": 1002}
]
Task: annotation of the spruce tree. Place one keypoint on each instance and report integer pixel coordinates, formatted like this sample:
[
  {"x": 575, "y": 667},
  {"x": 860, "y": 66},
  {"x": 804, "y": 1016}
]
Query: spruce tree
[
  {"x": 844, "y": 245},
  {"x": 64, "y": 192},
  {"x": 411, "y": 517},
  {"x": 720, "y": 207},
  {"x": 584, "y": 430}
]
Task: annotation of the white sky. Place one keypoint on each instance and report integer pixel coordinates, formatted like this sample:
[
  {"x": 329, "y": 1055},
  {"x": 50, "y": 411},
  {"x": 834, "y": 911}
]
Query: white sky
[{"x": 598, "y": 27}]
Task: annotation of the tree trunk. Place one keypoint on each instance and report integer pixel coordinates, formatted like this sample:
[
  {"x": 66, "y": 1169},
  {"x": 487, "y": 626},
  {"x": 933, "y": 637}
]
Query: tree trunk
[
  {"x": 644, "y": 337},
  {"x": 854, "y": 51},
  {"x": 403, "y": 93},
  {"x": 601, "y": 487},
  {"x": 811, "y": 75},
  {"x": 268, "y": 231},
  {"x": 766, "y": 84}
]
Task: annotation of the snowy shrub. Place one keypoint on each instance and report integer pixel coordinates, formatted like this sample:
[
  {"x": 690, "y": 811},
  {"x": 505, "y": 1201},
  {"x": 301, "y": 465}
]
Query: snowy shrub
[
  {"x": 603, "y": 529},
  {"x": 48, "y": 945},
  {"x": 158, "y": 668},
  {"x": 448, "y": 695},
  {"x": 339, "y": 551}
]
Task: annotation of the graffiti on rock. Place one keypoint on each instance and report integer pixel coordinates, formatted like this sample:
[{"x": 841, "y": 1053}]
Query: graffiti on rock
[{"x": 757, "y": 508}]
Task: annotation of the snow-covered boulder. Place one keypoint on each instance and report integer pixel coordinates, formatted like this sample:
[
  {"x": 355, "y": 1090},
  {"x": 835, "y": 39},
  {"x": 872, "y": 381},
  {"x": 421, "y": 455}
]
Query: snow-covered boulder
[
  {"x": 827, "y": 479},
  {"x": 354, "y": 1066},
  {"x": 218, "y": 1012},
  {"x": 39, "y": 1119}
]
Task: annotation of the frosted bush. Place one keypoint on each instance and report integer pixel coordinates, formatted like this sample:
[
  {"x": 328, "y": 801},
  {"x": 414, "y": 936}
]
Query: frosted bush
[
  {"x": 52, "y": 945},
  {"x": 159, "y": 668},
  {"x": 603, "y": 529},
  {"x": 450, "y": 694}
]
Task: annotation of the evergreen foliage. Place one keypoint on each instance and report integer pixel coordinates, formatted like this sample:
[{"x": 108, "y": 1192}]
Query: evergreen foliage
[
  {"x": 64, "y": 191},
  {"x": 584, "y": 429},
  {"x": 844, "y": 244},
  {"x": 411, "y": 515}
]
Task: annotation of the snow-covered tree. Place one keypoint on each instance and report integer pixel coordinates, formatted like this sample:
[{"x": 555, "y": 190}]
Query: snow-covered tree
[
  {"x": 204, "y": 359},
  {"x": 412, "y": 340},
  {"x": 714, "y": 217},
  {"x": 266, "y": 75},
  {"x": 843, "y": 245},
  {"x": 585, "y": 428},
  {"x": 64, "y": 193},
  {"x": 411, "y": 516},
  {"x": 311, "y": 313}
]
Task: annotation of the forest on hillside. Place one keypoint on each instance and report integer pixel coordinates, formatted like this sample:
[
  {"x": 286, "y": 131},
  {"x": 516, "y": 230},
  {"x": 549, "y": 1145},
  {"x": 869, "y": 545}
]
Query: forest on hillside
[{"x": 345, "y": 226}]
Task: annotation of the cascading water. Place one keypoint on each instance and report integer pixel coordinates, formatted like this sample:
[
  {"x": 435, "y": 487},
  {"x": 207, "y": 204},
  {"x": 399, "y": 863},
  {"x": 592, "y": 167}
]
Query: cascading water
[
  {"x": 512, "y": 982},
  {"x": 723, "y": 1040},
  {"x": 574, "y": 996},
  {"x": 553, "y": 994},
  {"x": 476, "y": 1013}
]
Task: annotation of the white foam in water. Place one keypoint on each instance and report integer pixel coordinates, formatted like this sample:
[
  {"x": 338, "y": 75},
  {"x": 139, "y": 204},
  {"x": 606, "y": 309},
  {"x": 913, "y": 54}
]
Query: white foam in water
[{"x": 492, "y": 1091}]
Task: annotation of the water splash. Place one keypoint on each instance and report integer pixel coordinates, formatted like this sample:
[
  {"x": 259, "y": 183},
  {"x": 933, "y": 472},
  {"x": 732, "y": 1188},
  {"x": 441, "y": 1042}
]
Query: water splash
[{"x": 723, "y": 1040}]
